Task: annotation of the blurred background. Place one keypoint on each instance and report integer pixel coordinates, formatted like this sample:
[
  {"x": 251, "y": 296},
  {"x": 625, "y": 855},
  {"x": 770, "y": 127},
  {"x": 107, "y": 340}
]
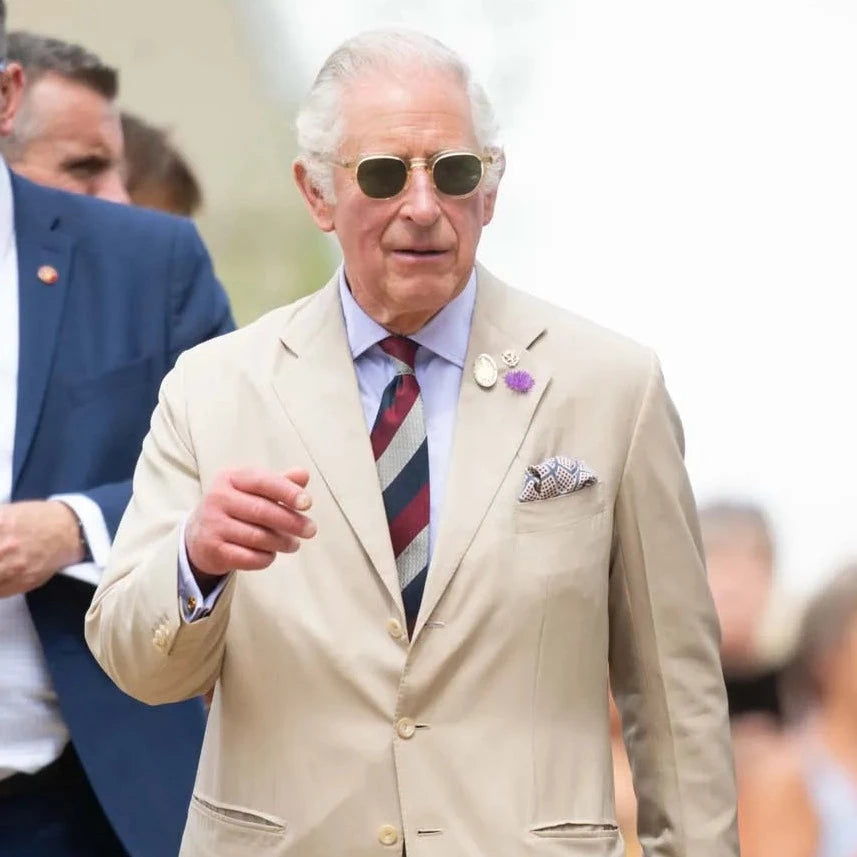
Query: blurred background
[{"x": 682, "y": 172}]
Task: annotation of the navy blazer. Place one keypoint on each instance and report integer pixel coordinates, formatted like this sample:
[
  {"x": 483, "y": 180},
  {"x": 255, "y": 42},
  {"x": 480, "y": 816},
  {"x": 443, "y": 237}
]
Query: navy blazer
[{"x": 134, "y": 289}]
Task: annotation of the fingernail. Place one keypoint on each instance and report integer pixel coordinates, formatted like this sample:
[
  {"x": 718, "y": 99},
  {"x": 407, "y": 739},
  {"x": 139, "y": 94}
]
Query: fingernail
[
  {"x": 311, "y": 529},
  {"x": 302, "y": 502}
]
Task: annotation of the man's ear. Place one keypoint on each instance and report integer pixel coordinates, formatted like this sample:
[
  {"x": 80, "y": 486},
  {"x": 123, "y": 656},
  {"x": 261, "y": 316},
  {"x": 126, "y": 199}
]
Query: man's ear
[
  {"x": 491, "y": 198},
  {"x": 320, "y": 210},
  {"x": 11, "y": 93}
]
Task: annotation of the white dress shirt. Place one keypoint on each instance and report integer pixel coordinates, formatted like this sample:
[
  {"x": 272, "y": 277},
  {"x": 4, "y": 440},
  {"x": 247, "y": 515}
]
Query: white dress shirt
[{"x": 32, "y": 732}]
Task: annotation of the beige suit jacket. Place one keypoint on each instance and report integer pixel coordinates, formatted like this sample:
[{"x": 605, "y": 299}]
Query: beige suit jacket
[{"x": 488, "y": 735}]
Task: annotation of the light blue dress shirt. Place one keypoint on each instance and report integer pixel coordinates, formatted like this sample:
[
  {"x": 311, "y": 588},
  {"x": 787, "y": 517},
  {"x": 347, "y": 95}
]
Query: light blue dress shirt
[{"x": 438, "y": 367}]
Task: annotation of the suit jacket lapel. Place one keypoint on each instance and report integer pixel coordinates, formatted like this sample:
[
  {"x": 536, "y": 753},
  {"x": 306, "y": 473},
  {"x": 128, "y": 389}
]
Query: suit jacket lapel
[
  {"x": 317, "y": 386},
  {"x": 41, "y": 305},
  {"x": 489, "y": 428}
]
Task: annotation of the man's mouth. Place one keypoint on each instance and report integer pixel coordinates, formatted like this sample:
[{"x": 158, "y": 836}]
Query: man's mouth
[{"x": 419, "y": 252}]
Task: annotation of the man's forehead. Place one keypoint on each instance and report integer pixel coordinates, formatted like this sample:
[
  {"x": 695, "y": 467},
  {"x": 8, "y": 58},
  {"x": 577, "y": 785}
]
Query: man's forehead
[
  {"x": 419, "y": 111},
  {"x": 57, "y": 98},
  {"x": 68, "y": 111}
]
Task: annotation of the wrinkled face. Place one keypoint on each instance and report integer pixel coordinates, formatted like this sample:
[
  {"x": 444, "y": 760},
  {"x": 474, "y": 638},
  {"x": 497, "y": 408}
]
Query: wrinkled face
[
  {"x": 72, "y": 139},
  {"x": 406, "y": 257}
]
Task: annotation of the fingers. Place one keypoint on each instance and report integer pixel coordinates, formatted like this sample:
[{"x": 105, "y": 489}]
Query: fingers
[
  {"x": 259, "y": 539},
  {"x": 228, "y": 557},
  {"x": 253, "y": 509},
  {"x": 277, "y": 489},
  {"x": 298, "y": 475}
]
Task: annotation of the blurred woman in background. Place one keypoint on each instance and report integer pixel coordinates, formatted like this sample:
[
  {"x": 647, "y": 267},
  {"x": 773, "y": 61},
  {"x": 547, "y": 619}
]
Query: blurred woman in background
[{"x": 803, "y": 801}]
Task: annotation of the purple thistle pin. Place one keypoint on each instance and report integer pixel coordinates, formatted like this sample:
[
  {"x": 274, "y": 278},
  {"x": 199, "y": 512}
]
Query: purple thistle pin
[{"x": 520, "y": 381}]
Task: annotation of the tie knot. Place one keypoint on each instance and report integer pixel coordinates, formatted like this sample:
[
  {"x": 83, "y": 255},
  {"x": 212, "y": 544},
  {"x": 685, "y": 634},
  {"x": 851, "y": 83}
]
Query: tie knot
[{"x": 403, "y": 351}]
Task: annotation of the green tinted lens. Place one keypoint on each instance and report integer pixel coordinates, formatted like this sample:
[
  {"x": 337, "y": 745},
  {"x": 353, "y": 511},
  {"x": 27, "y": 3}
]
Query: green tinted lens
[
  {"x": 382, "y": 177},
  {"x": 457, "y": 174}
]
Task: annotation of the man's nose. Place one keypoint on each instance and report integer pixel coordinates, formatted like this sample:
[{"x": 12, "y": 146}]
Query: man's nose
[
  {"x": 112, "y": 188},
  {"x": 420, "y": 203}
]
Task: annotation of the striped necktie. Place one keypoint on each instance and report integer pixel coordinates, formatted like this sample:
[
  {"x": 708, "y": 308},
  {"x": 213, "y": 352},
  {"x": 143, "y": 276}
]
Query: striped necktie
[{"x": 401, "y": 455}]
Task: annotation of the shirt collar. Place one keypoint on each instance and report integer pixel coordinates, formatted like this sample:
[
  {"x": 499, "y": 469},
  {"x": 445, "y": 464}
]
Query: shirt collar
[{"x": 446, "y": 334}]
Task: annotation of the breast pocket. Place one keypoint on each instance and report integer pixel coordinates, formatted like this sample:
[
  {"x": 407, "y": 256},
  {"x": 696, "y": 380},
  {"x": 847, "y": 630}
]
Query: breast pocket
[
  {"x": 565, "y": 510},
  {"x": 130, "y": 379}
]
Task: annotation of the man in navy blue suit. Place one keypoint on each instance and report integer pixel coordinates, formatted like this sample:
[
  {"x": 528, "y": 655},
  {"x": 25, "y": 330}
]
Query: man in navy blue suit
[{"x": 96, "y": 303}]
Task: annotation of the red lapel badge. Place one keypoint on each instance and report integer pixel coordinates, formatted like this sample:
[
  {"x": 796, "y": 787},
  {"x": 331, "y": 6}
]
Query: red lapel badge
[{"x": 48, "y": 275}]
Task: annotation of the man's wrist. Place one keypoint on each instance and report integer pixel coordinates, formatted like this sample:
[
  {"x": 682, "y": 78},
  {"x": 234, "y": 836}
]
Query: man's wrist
[
  {"x": 205, "y": 582},
  {"x": 75, "y": 546}
]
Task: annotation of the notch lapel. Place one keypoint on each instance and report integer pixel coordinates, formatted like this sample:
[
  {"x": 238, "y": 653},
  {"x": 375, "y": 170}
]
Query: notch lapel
[
  {"x": 40, "y": 308},
  {"x": 490, "y": 426},
  {"x": 317, "y": 386}
]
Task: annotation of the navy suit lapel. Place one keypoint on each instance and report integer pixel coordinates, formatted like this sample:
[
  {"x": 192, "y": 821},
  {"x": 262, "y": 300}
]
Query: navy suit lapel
[{"x": 40, "y": 246}]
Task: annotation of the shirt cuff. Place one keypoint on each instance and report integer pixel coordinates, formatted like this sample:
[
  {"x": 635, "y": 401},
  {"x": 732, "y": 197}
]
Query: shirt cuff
[
  {"x": 194, "y": 604},
  {"x": 94, "y": 531}
]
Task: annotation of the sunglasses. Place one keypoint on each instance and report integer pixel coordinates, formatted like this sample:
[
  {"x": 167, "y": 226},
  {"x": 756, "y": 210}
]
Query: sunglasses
[{"x": 455, "y": 174}]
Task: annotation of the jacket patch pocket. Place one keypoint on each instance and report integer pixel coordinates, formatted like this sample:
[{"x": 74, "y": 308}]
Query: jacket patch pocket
[{"x": 559, "y": 512}]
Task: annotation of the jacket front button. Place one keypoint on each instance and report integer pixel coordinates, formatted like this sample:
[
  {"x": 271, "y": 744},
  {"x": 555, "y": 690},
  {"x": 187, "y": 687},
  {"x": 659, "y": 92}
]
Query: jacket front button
[
  {"x": 395, "y": 629},
  {"x": 406, "y": 727},
  {"x": 387, "y": 834}
]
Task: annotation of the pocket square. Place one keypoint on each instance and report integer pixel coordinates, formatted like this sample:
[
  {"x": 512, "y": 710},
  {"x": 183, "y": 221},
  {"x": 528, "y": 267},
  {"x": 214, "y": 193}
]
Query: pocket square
[{"x": 554, "y": 477}]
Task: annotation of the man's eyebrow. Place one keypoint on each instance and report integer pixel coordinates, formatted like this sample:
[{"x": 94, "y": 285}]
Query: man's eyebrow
[{"x": 89, "y": 163}]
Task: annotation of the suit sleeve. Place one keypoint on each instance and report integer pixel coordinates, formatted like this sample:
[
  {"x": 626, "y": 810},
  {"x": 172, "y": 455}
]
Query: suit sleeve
[
  {"x": 135, "y": 627},
  {"x": 198, "y": 311},
  {"x": 664, "y": 647}
]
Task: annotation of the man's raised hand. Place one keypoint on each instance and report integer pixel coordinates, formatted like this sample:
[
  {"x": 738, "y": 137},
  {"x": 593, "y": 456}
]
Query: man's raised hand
[{"x": 246, "y": 518}]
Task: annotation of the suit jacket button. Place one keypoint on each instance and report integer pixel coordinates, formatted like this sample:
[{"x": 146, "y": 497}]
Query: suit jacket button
[
  {"x": 406, "y": 728},
  {"x": 395, "y": 629},
  {"x": 387, "y": 834}
]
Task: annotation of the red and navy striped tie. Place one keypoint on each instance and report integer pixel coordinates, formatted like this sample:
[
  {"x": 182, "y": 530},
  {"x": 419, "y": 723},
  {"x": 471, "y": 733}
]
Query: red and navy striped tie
[{"x": 401, "y": 455}]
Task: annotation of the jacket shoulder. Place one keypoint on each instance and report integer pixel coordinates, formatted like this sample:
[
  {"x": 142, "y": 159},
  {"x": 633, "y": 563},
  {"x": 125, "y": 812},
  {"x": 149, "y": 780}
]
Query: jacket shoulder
[
  {"x": 96, "y": 221},
  {"x": 246, "y": 345},
  {"x": 569, "y": 339}
]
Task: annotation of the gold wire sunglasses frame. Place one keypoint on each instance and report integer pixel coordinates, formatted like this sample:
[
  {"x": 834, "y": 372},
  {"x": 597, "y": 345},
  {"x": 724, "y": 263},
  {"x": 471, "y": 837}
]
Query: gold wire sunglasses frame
[{"x": 377, "y": 183}]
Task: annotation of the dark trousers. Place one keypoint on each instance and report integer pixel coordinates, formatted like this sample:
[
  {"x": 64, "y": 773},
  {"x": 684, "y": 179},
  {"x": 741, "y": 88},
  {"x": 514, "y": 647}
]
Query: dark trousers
[{"x": 54, "y": 813}]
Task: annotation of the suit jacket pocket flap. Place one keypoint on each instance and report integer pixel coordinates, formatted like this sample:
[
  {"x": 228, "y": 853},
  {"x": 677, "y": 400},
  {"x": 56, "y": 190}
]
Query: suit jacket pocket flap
[
  {"x": 576, "y": 830},
  {"x": 240, "y": 817},
  {"x": 127, "y": 377}
]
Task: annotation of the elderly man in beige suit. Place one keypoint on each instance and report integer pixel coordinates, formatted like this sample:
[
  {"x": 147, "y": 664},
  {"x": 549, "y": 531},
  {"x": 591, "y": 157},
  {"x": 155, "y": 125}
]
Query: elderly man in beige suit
[{"x": 503, "y": 523}]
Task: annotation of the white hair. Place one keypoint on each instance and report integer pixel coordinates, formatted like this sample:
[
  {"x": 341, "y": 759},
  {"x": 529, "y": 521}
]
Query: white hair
[{"x": 319, "y": 121}]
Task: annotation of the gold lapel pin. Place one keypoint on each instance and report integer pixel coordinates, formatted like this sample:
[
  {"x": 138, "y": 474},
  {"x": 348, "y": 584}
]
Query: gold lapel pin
[{"x": 48, "y": 274}]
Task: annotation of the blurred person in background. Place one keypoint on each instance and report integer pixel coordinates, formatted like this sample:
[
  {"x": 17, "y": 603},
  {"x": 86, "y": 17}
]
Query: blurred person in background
[
  {"x": 96, "y": 303},
  {"x": 623, "y": 785},
  {"x": 157, "y": 175},
  {"x": 758, "y": 628},
  {"x": 803, "y": 801},
  {"x": 67, "y": 133}
]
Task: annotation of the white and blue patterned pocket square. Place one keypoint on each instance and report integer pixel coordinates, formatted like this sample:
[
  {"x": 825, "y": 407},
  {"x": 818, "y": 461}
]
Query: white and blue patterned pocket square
[{"x": 554, "y": 477}]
